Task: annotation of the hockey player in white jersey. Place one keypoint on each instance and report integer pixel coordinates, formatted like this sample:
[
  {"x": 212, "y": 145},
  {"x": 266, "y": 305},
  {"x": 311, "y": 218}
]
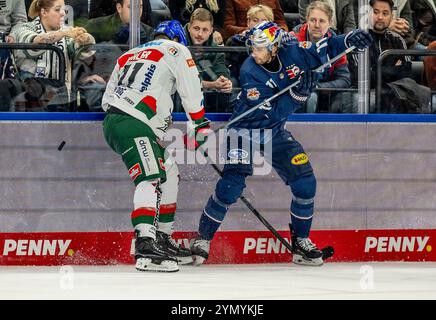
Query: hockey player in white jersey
[{"x": 139, "y": 106}]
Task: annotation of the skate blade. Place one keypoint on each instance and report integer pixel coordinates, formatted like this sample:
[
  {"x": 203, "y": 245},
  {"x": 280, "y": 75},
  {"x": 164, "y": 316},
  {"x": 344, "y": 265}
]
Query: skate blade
[
  {"x": 146, "y": 264},
  {"x": 185, "y": 260},
  {"x": 198, "y": 260},
  {"x": 298, "y": 259}
]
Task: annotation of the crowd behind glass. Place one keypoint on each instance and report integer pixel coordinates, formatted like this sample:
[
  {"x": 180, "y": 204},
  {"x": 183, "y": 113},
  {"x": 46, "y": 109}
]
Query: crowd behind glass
[{"x": 92, "y": 34}]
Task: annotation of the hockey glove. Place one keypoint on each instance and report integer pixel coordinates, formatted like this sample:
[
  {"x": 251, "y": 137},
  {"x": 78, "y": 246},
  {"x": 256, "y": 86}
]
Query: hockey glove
[
  {"x": 308, "y": 81},
  {"x": 197, "y": 133},
  {"x": 358, "y": 38}
]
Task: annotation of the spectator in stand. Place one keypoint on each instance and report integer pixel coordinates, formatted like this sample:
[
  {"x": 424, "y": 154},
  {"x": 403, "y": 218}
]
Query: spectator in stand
[
  {"x": 343, "y": 15},
  {"x": 402, "y": 22},
  {"x": 289, "y": 5},
  {"x": 394, "y": 67},
  {"x": 319, "y": 16},
  {"x": 12, "y": 12},
  {"x": 47, "y": 28},
  {"x": 211, "y": 66},
  {"x": 424, "y": 21},
  {"x": 235, "y": 20},
  {"x": 182, "y": 10},
  {"x": 115, "y": 28},
  {"x": 255, "y": 15},
  {"x": 100, "y": 8}
]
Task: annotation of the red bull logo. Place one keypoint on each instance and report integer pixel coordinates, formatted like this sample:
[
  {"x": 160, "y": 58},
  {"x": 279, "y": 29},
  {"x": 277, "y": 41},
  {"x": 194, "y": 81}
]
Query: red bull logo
[
  {"x": 271, "y": 32},
  {"x": 253, "y": 94}
]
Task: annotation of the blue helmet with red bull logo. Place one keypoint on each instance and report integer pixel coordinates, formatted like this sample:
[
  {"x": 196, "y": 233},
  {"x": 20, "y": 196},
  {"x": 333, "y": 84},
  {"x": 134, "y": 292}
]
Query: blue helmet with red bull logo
[
  {"x": 172, "y": 29},
  {"x": 264, "y": 34}
]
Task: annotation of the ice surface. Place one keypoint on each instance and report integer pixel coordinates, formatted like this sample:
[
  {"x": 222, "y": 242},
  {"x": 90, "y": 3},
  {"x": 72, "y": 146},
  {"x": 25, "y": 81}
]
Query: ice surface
[{"x": 397, "y": 280}]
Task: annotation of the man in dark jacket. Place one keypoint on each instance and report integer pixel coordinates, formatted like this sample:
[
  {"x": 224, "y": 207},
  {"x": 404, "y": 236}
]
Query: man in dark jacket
[
  {"x": 211, "y": 66},
  {"x": 115, "y": 28},
  {"x": 394, "y": 67}
]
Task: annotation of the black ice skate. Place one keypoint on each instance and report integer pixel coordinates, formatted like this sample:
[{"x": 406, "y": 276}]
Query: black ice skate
[
  {"x": 151, "y": 256},
  {"x": 304, "y": 251},
  {"x": 183, "y": 255},
  {"x": 200, "y": 250}
]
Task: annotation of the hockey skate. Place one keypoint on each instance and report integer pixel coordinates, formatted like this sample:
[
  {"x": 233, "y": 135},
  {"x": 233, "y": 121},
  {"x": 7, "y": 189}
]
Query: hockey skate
[
  {"x": 200, "y": 250},
  {"x": 183, "y": 255},
  {"x": 305, "y": 252},
  {"x": 151, "y": 256}
]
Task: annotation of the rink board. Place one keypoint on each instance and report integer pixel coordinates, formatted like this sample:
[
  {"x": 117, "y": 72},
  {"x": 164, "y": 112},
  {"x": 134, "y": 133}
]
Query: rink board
[
  {"x": 378, "y": 175},
  {"x": 228, "y": 247}
]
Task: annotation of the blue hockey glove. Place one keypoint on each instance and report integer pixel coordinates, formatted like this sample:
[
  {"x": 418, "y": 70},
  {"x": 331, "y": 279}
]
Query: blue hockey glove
[
  {"x": 358, "y": 38},
  {"x": 308, "y": 81},
  {"x": 198, "y": 130}
]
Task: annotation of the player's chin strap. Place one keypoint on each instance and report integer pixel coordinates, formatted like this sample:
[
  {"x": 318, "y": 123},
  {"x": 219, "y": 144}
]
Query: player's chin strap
[{"x": 266, "y": 101}]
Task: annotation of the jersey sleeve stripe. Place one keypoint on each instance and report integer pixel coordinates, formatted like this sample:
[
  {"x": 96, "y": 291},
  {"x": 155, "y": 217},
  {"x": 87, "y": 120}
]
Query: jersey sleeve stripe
[
  {"x": 197, "y": 115},
  {"x": 147, "y": 106}
]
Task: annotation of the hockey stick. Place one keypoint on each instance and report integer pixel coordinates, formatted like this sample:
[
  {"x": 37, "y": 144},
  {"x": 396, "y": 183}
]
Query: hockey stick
[
  {"x": 327, "y": 252},
  {"x": 266, "y": 101}
]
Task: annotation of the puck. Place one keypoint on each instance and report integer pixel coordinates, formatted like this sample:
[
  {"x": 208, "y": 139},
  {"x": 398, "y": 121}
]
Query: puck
[{"x": 61, "y": 145}]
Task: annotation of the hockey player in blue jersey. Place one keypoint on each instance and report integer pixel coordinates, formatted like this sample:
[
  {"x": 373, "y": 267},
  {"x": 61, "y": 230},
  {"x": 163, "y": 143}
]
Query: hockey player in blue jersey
[{"x": 274, "y": 65}]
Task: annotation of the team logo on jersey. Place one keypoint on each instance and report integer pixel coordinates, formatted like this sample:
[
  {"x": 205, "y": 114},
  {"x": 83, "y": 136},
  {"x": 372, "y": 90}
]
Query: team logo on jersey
[
  {"x": 135, "y": 171},
  {"x": 292, "y": 71},
  {"x": 190, "y": 63},
  {"x": 173, "y": 51},
  {"x": 253, "y": 94},
  {"x": 300, "y": 159},
  {"x": 305, "y": 44}
]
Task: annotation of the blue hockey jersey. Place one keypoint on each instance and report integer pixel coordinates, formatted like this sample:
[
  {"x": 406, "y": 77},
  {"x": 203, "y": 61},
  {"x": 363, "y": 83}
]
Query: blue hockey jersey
[{"x": 258, "y": 83}]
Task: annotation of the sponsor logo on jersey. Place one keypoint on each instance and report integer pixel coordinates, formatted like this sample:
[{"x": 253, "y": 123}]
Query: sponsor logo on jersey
[
  {"x": 135, "y": 171},
  {"x": 237, "y": 156},
  {"x": 292, "y": 71},
  {"x": 147, "y": 156},
  {"x": 253, "y": 94},
  {"x": 305, "y": 44},
  {"x": 26, "y": 247},
  {"x": 190, "y": 62},
  {"x": 300, "y": 159},
  {"x": 128, "y": 100},
  {"x": 173, "y": 51},
  {"x": 397, "y": 244},
  {"x": 148, "y": 76},
  {"x": 149, "y": 54}
]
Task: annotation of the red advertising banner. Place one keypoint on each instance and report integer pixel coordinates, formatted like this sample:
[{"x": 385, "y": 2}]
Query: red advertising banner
[{"x": 228, "y": 247}]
